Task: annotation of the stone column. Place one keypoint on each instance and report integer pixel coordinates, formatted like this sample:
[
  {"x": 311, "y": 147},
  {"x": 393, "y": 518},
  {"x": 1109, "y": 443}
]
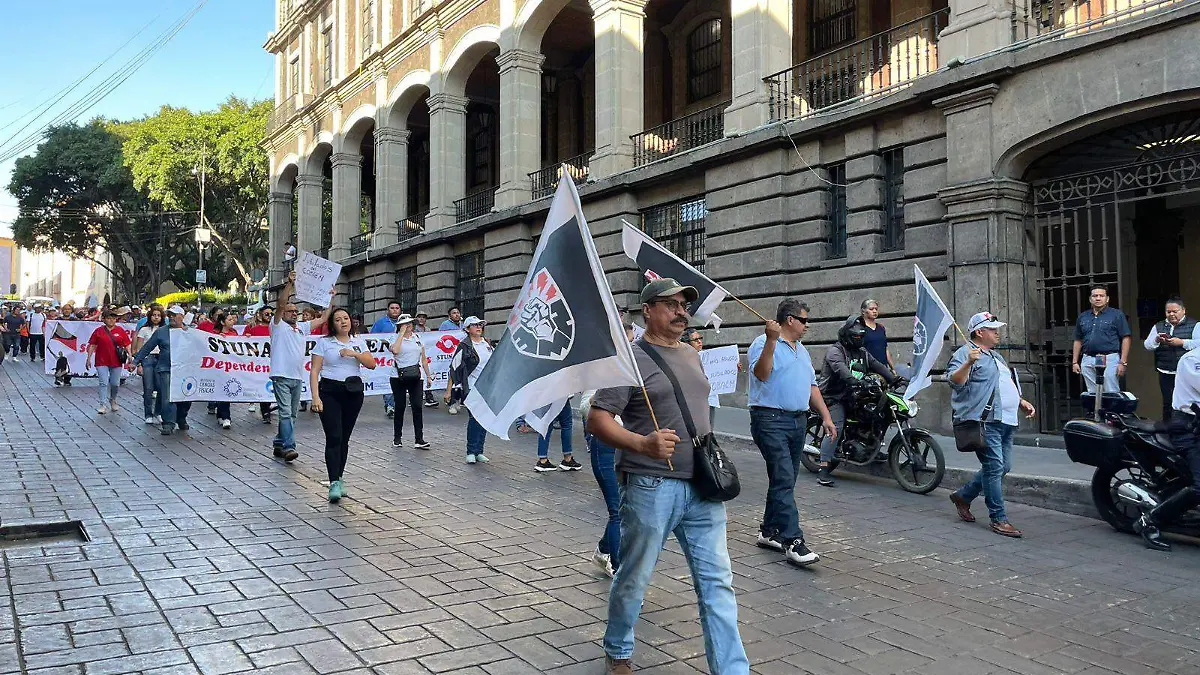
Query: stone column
[
  {"x": 520, "y": 124},
  {"x": 619, "y": 82},
  {"x": 347, "y": 202},
  {"x": 447, "y": 158},
  {"x": 979, "y": 26},
  {"x": 280, "y": 218},
  {"x": 308, "y": 194},
  {"x": 391, "y": 183},
  {"x": 762, "y": 46}
]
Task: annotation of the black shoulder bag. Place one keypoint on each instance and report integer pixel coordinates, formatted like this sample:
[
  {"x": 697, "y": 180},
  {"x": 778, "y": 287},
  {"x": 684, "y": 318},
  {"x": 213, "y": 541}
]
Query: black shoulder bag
[
  {"x": 122, "y": 353},
  {"x": 968, "y": 434},
  {"x": 714, "y": 477}
]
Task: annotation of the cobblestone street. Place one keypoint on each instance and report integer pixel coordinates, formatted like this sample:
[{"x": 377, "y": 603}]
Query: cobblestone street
[{"x": 209, "y": 556}]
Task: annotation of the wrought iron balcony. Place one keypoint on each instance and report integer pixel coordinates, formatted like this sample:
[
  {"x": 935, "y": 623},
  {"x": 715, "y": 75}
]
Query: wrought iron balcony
[
  {"x": 359, "y": 243},
  {"x": 323, "y": 252},
  {"x": 859, "y": 71},
  {"x": 1052, "y": 18},
  {"x": 283, "y": 112},
  {"x": 412, "y": 226},
  {"x": 474, "y": 205},
  {"x": 544, "y": 181},
  {"x": 276, "y": 277},
  {"x": 687, "y": 132}
]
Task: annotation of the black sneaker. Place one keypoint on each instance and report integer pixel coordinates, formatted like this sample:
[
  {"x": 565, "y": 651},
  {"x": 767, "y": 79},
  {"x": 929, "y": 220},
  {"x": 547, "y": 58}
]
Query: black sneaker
[
  {"x": 771, "y": 541},
  {"x": 1151, "y": 535},
  {"x": 397, "y": 443},
  {"x": 825, "y": 477},
  {"x": 183, "y": 427},
  {"x": 421, "y": 445},
  {"x": 277, "y": 450},
  {"x": 391, "y": 413},
  {"x": 544, "y": 465},
  {"x": 266, "y": 419},
  {"x": 799, "y": 555},
  {"x": 569, "y": 465}
]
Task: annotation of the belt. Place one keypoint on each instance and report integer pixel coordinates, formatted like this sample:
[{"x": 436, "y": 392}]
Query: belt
[
  {"x": 1094, "y": 354},
  {"x": 781, "y": 411}
]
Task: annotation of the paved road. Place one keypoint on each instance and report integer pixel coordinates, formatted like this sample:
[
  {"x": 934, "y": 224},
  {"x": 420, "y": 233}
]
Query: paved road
[{"x": 207, "y": 556}]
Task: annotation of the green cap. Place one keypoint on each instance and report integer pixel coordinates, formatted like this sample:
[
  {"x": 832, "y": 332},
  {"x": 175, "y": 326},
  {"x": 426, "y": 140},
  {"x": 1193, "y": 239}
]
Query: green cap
[{"x": 666, "y": 287}]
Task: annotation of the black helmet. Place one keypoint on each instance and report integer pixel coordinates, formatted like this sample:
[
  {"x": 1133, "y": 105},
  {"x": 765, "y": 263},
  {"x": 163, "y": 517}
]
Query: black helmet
[{"x": 852, "y": 332}]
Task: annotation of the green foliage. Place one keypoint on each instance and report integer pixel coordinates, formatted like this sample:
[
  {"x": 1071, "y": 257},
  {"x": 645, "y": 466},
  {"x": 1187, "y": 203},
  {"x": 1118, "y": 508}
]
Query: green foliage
[{"x": 208, "y": 297}]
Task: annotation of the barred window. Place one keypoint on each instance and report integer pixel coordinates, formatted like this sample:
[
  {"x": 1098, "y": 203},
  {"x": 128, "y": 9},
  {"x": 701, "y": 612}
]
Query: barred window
[
  {"x": 837, "y": 211},
  {"x": 295, "y": 75},
  {"x": 893, "y": 199},
  {"x": 358, "y": 299},
  {"x": 406, "y": 289},
  {"x": 368, "y": 27},
  {"x": 327, "y": 56},
  {"x": 679, "y": 227},
  {"x": 482, "y": 138},
  {"x": 831, "y": 23},
  {"x": 704, "y": 61},
  {"x": 468, "y": 286}
]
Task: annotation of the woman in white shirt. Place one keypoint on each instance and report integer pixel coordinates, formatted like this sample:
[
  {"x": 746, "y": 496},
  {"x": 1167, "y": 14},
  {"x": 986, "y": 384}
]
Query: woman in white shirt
[
  {"x": 338, "y": 392},
  {"x": 465, "y": 366},
  {"x": 151, "y": 407},
  {"x": 410, "y": 363}
]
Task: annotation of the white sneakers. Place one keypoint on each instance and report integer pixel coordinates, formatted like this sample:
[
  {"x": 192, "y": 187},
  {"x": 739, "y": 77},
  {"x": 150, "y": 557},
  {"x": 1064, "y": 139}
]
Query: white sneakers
[
  {"x": 226, "y": 424},
  {"x": 102, "y": 409},
  {"x": 453, "y": 409},
  {"x": 113, "y": 405},
  {"x": 152, "y": 420},
  {"x": 603, "y": 561},
  {"x": 482, "y": 459}
]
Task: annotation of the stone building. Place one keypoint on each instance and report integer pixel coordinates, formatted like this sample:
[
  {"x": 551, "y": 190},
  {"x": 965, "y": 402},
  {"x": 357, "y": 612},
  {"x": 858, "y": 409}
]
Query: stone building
[{"x": 1016, "y": 151}]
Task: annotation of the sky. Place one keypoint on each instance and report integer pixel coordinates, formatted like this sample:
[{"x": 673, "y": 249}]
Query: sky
[{"x": 48, "y": 44}]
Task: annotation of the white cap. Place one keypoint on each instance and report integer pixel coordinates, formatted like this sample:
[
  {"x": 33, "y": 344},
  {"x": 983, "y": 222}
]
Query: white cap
[
  {"x": 403, "y": 318},
  {"x": 175, "y": 309},
  {"x": 471, "y": 321},
  {"x": 983, "y": 320}
]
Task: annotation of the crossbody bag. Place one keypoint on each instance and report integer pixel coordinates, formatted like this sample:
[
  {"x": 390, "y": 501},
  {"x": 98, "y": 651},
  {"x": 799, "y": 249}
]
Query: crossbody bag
[{"x": 122, "y": 353}]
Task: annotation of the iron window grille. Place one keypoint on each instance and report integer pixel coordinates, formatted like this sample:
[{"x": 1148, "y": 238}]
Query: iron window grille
[
  {"x": 358, "y": 299},
  {"x": 704, "y": 61},
  {"x": 679, "y": 227},
  {"x": 406, "y": 289},
  {"x": 327, "y": 56},
  {"x": 893, "y": 199},
  {"x": 295, "y": 66},
  {"x": 837, "y": 211},
  {"x": 469, "y": 283},
  {"x": 368, "y": 27},
  {"x": 830, "y": 23}
]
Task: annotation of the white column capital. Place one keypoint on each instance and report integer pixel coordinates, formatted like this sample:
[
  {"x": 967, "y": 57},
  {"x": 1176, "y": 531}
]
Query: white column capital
[
  {"x": 385, "y": 135},
  {"x": 279, "y": 197},
  {"x": 637, "y": 7},
  {"x": 346, "y": 160},
  {"x": 447, "y": 103},
  {"x": 309, "y": 181},
  {"x": 520, "y": 58}
]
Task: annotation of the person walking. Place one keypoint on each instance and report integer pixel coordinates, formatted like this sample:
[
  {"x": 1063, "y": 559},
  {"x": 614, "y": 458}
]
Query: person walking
[
  {"x": 409, "y": 353},
  {"x": 223, "y": 324},
  {"x": 13, "y": 323},
  {"x": 288, "y": 337},
  {"x": 985, "y": 389},
  {"x": 1170, "y": 339},
  {"x": 782, "y": 392},
  {"x": 468, "y": 361},
  {"x": 106, "y": 347},
  {"x": 658, "y": 498},
  {"x": 420, "y": 321},
  {"x": 337, "y": 386},
  {"x": 174, "y": 415},
  {"x": 387, "y": 324},
  {"x": 454, "y": 321},
  {"x": 566, "y": 424},
  {"x": 37, "y": 334},
  {"x": 151, "y": 404},
  {"x": 875, "y": 340},
  {"x": 1103, "y": 336}
]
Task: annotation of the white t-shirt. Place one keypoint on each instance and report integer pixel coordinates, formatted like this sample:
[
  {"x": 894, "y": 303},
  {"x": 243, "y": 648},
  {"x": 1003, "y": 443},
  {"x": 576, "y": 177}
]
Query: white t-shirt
[
  {"x": 37, "y": 323},
  {"x": 485, "y": 352},
  {"x": 287, "y": 349},
  {"x": 1009, "y": 396},
  {"x": 410, "y": 352},
  {"x": 1187, "y": 381},
  {"x": 145, "y": 333},
  {"x": 334, "y": 366}
]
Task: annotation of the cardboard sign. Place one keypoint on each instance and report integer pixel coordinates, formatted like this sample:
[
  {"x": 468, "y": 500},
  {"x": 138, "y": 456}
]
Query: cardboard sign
[{"x": 315, "y": 278}]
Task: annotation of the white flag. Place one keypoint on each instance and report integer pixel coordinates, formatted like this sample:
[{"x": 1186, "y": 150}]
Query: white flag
[{"x": 930, "y": 323}]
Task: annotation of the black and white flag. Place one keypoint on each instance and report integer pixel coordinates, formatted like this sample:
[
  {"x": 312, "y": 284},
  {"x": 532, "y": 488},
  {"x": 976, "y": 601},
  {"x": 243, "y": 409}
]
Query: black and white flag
[
  {"x": 929, "y": 325},
  {"x": 656, "y": 262},
  {"x": 564, "y": 334}
]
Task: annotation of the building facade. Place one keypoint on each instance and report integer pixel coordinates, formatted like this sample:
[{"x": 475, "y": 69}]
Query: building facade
[{"x": 1016, "y": 151}]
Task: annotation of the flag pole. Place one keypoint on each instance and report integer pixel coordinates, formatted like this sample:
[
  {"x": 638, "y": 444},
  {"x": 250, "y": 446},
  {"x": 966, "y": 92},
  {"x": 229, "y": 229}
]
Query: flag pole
[{"x": 654, "y": 418}]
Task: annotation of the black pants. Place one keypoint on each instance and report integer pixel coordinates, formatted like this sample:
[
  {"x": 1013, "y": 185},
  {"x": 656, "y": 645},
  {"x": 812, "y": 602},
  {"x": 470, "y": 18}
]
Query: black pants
[
  {"x": 12, "y": 342},
  {"x": 37, "y": 347},
  {"x": 1166, "y": 384},
  {"x": 413, "y": 388},
  {"x": 337, "y": 418}
]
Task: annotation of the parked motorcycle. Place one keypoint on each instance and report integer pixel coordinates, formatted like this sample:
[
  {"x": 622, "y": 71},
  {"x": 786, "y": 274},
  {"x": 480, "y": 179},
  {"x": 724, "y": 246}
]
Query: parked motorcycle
[
  {"x": 1136, "y": 465},
  {"x": 914, "y": 457}
]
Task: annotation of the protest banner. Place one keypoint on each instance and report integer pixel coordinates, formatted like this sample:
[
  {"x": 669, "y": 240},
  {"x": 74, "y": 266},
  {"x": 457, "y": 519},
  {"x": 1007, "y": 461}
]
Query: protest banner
[
  {"x": 315, "y": 277},
  {"x": 721, "y": 367},
  {"x": 208, "y": 367},
  {"x": 70, "y": 339}
]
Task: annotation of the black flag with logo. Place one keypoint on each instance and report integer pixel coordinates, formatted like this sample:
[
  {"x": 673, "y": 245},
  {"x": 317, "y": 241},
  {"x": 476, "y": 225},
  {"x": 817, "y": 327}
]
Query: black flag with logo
[{"x": 656, "y": 262}]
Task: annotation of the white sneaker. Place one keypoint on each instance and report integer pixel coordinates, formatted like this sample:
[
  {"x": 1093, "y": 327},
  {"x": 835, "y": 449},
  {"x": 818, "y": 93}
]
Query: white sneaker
[
  {"x": 102, "y": 409},
  {"x": 799, "y": 554},
  {"x": 113, "y": 405},
  {"x": 603, "y": 561},
  {"x": 482, "y": 459},
  {"x": 453, "y": 409},
  {"x": 152, "y": 420},
  {"x": 158, "y": 419},
  {"x": 470, "y": 459},
  {"x": 225, "y": 424}
]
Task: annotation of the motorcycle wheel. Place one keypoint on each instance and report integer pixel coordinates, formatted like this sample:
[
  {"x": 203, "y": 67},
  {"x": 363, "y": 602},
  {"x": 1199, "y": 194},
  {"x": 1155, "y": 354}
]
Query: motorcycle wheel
[
  {"x": 907, "y": 472},
  {"x": 1105, "y": 481},
  {"x": 813, "y": 436}
]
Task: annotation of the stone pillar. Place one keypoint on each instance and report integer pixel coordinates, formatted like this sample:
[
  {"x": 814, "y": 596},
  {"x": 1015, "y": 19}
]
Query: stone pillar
[
  {"x": 447, "y": 158},
  {"x": 864, "y": 196},
  {"x": 762, "y": 46},
  {"x": 280, "y": 217},
  {"x": 308, "y": 194},
  {"x": 520, "y": 124},
  {"x": 347, "y": 202},
  {"x": 979, "y": 26},
  {"x": 435, "y": 281},
  {"x": 619, "y": 82},
  {"x": 391, "y": 183}
]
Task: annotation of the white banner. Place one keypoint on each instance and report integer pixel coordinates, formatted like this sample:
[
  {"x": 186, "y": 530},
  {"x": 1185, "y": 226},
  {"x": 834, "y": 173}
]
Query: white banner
[
  {"x": 208, "y": 367},
  {"x": 721, "y": 367},
  {"x": 70, "y": 339}
]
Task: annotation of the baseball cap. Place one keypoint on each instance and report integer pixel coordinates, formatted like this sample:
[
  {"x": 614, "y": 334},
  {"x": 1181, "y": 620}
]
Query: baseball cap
[
  {"x": 983, "y": 320},
  {"x": 471, "y": 321},
  {"x": 123, "y": 309},
  {"x": 175, "y": 309},
  {"x": 422, "y": 313},
  {"x": 664, "y": 287}
]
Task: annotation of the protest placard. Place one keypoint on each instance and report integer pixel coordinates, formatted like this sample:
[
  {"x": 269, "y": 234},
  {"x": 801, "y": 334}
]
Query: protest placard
[
  {"x": 315, "y": 277},
  {"x": 720, "y": 366}
]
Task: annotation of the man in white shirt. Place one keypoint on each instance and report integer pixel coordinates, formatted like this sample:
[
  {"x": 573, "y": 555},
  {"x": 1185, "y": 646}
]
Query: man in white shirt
[
  {"x": 288, "y": 339},
  {"x": 1169, "y": 339},
  {"x": 1185, "y": 436},
  {"x": 37, "y": 334}
]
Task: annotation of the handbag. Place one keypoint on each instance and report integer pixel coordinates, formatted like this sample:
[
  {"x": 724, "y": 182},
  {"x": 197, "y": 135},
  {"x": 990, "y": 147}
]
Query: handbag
[
  {"x": 968, "y": 434},
  {"x": 354, "y": 384},
  {"x": 122, "y": 353},
  {"x": 714, "y": 476},
  {"x": 409, "y": 373}
]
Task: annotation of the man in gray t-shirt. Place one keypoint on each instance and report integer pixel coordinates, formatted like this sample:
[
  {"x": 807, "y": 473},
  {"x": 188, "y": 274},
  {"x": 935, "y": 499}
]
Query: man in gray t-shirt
[{"x": 654, "y": 469}]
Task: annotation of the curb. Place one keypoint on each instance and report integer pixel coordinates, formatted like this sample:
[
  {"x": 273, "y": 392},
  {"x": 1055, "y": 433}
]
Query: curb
[{"x": 1057, "y": 494}]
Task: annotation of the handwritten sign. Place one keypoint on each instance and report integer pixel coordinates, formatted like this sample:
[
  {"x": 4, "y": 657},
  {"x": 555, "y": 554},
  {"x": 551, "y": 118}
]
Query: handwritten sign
[
  {"x": 315, "y": 277},
  {"x": 720, "y": 366}
]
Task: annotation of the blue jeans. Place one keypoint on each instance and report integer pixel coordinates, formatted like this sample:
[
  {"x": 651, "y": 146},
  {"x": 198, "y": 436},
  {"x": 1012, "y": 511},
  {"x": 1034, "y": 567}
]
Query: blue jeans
[
  {"x": 150, "y": 405},
  {"x": 996, "y": 461},
  {"x": 603, "y": 459},
  {"x": 780, "y": 438},
  {"x": 566, "y": 418},
  {"x": 287, "y": 397},
  {"x": 172, "y": 413},
  {"x": 476, "y": 435},
  {"x": 652, "y": 508},
  {"x": 110, "y": 383}
]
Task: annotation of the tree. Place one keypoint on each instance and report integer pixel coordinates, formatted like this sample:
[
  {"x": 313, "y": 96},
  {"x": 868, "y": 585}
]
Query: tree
[
  {"x": 168, "y": 154},
  {"x": 75, "y": 194}
]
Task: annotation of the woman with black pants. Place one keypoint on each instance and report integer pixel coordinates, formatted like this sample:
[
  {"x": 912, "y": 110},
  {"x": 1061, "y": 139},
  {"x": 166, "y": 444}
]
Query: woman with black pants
[
  {"x": 338, "y": 392},
  {"x": 410, "y": 362}
]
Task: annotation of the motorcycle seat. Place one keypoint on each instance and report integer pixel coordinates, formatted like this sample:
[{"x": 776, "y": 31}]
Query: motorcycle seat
[
  {"x": 1164, "y": 440},
  {"x": 1144, "y": 426}
]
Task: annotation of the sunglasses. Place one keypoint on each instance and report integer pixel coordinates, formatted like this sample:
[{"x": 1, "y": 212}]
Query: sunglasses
[{"x": 801, "y": 319}]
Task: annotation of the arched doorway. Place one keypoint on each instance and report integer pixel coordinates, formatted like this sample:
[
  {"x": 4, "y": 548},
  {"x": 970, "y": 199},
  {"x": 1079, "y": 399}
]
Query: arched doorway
[{"x": 1120, "y": 208}]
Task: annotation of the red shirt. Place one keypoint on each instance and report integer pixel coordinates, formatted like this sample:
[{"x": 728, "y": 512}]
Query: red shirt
[
  {"x": 206, "y": 326},
  {"x": 258, "y": 330},
  {"x": 106, "y": 352}
]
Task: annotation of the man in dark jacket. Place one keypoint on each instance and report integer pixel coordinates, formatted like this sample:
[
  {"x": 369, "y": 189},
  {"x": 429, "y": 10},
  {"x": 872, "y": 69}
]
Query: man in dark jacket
[
  {"x": 173, "y": 414},
  {"x": 846, "y": 363},
  {"x": 1170, "y": 339}
]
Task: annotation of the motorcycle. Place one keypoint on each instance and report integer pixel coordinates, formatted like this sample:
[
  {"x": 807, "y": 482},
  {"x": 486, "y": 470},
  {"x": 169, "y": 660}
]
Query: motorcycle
[
  {"x": 914, "y": 457},
  {"x": 1136, "y": 464}
]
